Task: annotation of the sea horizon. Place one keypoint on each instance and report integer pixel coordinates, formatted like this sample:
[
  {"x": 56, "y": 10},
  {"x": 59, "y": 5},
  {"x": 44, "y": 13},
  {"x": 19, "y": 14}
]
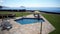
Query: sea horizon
[{"x": 49, "y": 9}]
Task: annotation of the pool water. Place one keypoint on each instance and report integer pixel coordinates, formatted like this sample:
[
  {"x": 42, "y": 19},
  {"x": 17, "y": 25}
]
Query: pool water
[{"x": 28, "y": 20}]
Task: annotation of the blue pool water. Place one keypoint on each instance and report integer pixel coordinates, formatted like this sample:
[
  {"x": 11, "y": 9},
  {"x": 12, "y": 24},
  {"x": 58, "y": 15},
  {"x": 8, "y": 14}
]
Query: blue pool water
[{"x": 28, "y": 20}]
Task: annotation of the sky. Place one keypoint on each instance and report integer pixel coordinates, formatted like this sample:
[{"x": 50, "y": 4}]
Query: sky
[{"x": 30, "y": 3}]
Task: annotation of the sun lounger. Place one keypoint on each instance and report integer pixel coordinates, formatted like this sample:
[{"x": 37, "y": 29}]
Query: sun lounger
[{"x": 6, "y": 25}]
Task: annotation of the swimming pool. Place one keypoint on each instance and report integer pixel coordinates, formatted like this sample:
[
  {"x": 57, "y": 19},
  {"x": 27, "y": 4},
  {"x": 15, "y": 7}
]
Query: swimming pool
[{"x": 29, "y": 20}]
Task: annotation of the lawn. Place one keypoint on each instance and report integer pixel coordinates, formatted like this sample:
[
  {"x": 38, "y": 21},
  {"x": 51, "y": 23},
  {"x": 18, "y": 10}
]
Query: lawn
[
  {"x": 54, "y": 19},
  {"x": 18, "y": 14}
]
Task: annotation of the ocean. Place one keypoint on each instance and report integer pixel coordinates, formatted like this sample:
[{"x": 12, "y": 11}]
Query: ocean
[{"x": 48, "y": 9}]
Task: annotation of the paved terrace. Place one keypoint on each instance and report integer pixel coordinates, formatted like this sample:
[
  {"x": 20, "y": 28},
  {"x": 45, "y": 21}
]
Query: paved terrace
[{"x": 29, "y": 28}]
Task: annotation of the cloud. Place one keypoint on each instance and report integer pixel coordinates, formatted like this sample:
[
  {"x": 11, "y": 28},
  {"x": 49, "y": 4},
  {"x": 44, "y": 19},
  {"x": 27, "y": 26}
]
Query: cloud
[{"x": 1, "y": 1}]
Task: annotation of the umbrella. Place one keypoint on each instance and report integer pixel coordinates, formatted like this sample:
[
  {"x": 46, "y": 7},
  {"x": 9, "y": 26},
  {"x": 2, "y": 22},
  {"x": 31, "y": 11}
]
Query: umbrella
[{"x": 36, "y": 12}]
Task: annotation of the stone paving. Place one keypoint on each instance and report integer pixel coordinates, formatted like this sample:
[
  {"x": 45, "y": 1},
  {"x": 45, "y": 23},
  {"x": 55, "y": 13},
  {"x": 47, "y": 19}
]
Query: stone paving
[{"x": 29, "y": 28}]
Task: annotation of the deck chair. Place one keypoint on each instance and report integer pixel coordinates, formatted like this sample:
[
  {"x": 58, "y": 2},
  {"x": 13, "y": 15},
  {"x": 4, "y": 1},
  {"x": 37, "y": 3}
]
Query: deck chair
[{"x": 6, "y": 25}]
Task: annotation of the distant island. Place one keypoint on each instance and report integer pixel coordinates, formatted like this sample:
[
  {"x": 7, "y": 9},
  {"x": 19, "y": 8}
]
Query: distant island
[
  {"x": 22, "y": 6},
  {"x": 0, "y": 6}
]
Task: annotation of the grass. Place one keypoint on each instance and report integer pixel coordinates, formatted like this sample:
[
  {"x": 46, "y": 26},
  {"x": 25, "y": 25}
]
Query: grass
[
  {"x": 52, "y": 18},
  {"x": 18, "y": 14},
  {"x": 55, "y": 21}
]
